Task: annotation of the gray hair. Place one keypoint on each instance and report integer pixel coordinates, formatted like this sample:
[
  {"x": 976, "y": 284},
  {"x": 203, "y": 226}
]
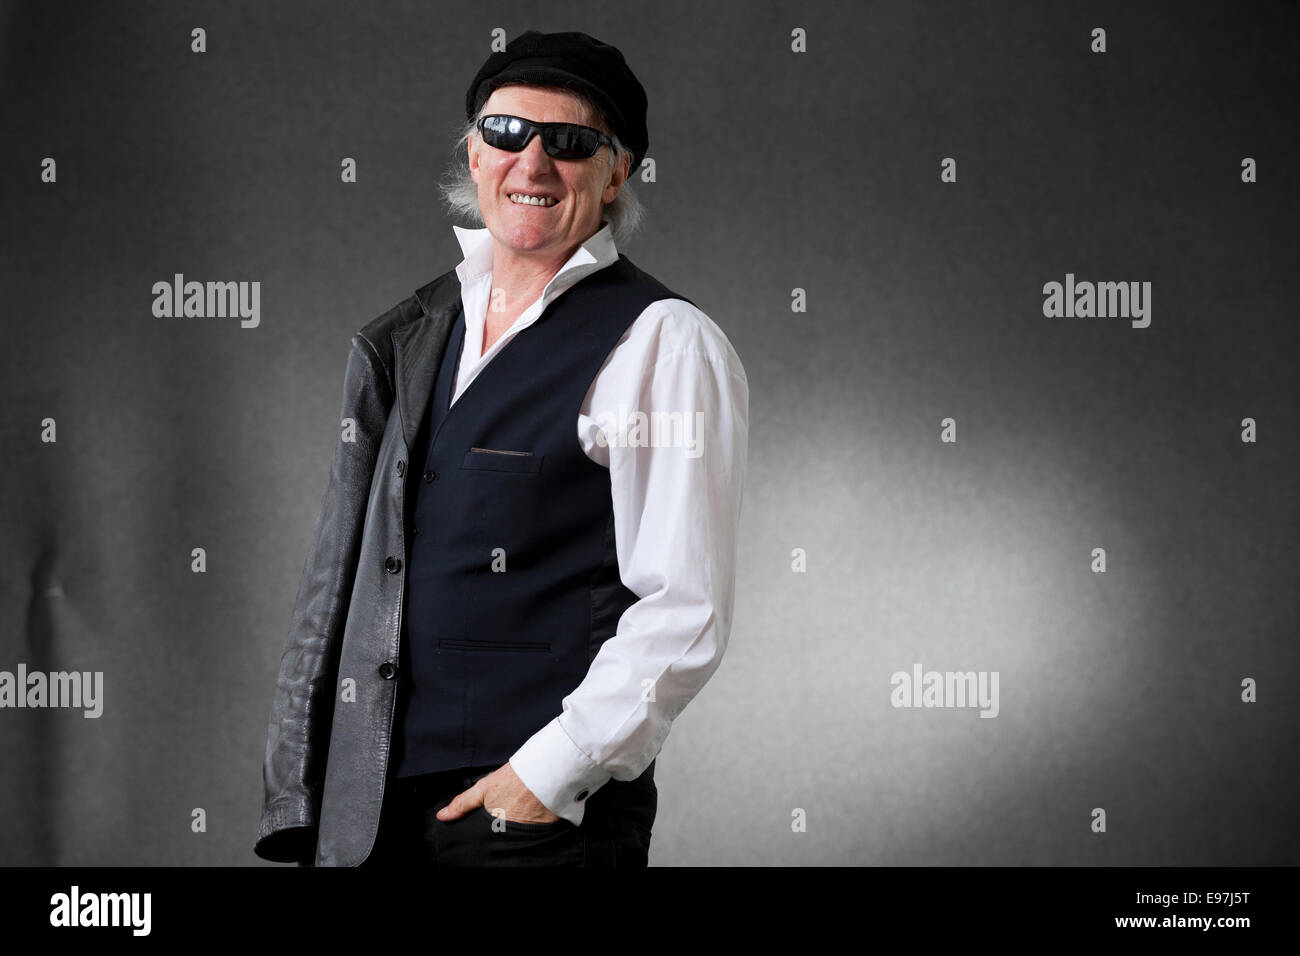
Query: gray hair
[{"x": 460, "y": 192}]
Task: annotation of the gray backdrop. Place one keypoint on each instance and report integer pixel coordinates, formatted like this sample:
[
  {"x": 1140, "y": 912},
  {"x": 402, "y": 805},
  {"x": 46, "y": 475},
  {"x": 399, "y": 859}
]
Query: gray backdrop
[{"x": 776, "y": 170}]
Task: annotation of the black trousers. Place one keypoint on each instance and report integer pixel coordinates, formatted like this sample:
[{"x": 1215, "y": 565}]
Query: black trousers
[{"x": 615, "y": 828}]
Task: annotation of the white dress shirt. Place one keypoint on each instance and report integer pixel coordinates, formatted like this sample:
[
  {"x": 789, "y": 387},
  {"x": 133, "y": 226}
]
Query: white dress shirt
[{"x": 676, "y": 502}]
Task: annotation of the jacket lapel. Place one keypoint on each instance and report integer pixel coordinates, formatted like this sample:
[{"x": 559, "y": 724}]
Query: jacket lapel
[{"x": 418, "y": 348}]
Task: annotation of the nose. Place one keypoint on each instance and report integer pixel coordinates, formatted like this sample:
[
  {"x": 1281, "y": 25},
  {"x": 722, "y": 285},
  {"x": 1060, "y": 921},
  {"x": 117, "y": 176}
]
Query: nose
[{"x": 534, "y": 155}]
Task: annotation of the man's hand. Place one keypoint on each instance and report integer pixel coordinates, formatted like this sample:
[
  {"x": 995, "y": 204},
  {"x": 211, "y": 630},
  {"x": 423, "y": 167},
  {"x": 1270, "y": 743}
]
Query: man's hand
[{"x": 501, "y": 789}]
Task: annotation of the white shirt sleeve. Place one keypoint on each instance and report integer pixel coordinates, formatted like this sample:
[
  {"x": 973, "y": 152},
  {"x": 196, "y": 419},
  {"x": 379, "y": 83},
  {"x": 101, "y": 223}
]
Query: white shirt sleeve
[{"x": 676, "y": 497}]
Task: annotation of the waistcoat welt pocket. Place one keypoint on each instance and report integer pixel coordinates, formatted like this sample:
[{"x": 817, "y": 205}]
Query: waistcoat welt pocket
[
  {"x": 456, "y": 645},
  {"x": 502, "y": 459}
]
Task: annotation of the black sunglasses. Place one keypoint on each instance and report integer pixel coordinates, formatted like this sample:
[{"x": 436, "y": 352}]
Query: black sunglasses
[{"x": 560, "y": 140}]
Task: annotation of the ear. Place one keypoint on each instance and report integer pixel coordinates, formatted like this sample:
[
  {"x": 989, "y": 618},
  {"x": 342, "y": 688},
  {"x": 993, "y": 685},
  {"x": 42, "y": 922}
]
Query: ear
[
  {"x": 471, "y": 145},
  {"x": 617, "y": 176}
]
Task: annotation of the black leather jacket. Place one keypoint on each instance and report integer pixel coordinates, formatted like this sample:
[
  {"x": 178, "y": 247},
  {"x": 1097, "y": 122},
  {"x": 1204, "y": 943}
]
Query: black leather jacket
[{"x": 327, "y": 754}]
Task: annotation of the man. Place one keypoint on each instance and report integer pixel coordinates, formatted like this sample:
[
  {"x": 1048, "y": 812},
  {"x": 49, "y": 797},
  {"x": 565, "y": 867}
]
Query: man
[{"x": 524, "y": 565}]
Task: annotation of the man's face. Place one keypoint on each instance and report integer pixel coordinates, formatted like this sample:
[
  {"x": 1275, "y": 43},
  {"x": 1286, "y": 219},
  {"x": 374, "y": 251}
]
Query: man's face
[{"x": 580, "y": 187}]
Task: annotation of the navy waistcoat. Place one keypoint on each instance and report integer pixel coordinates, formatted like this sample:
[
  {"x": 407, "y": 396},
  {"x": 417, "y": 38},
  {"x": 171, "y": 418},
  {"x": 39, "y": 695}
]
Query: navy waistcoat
[{"x": 512, "y": 576}]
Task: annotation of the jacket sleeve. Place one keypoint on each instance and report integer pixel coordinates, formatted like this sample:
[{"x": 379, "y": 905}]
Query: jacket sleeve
[{"x": 302, "y": 710}]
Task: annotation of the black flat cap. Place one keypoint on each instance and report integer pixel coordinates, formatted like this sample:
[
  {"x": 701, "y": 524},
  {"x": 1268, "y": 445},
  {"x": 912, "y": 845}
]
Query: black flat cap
[{"x": 572, "y": 61}]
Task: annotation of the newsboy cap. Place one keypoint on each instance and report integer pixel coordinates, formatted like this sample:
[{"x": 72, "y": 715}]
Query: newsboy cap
[{"x": 573, "y": 61}]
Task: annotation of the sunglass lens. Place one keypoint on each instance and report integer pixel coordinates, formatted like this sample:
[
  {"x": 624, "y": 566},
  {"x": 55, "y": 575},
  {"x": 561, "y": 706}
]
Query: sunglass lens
[
  {"x": 504, "y": 132},
  {"x": 570, "y": 142}
]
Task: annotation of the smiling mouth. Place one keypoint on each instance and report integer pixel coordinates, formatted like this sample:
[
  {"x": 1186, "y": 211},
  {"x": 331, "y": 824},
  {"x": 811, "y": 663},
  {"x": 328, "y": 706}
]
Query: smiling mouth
[{"x": 524, "y": 199}]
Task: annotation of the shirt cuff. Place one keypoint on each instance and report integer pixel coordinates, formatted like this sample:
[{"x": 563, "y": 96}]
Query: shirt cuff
[{"x": 558, "y": 773}]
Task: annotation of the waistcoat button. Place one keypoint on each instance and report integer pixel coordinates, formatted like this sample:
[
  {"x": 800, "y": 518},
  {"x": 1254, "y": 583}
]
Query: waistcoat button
[
  {"x": 393, "y": 565},
  {"x": 581, "y": 796},
  {"x": 387, "y": 670}
]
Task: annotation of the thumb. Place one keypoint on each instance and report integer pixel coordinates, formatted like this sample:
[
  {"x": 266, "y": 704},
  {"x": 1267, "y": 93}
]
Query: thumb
[{"x": 461, "y": 804}]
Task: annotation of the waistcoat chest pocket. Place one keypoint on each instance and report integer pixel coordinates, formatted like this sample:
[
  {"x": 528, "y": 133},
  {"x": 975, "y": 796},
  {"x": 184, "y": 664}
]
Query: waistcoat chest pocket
[
  {"x": 502, "y": 459},
  {"x": 501, "y": 496}
]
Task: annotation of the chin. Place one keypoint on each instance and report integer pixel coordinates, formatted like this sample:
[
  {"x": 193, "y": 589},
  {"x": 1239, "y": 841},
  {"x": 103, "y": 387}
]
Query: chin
[{"x": 527, "y": 240}]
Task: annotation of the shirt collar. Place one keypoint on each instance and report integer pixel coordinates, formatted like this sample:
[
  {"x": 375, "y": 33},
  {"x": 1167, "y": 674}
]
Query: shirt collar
[{"x": 594, "y": 254}]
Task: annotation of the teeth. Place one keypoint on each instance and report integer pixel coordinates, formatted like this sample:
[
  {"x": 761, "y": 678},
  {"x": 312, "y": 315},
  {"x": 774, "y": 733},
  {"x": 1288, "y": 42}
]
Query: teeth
[{"x": 527, "y": 200}]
